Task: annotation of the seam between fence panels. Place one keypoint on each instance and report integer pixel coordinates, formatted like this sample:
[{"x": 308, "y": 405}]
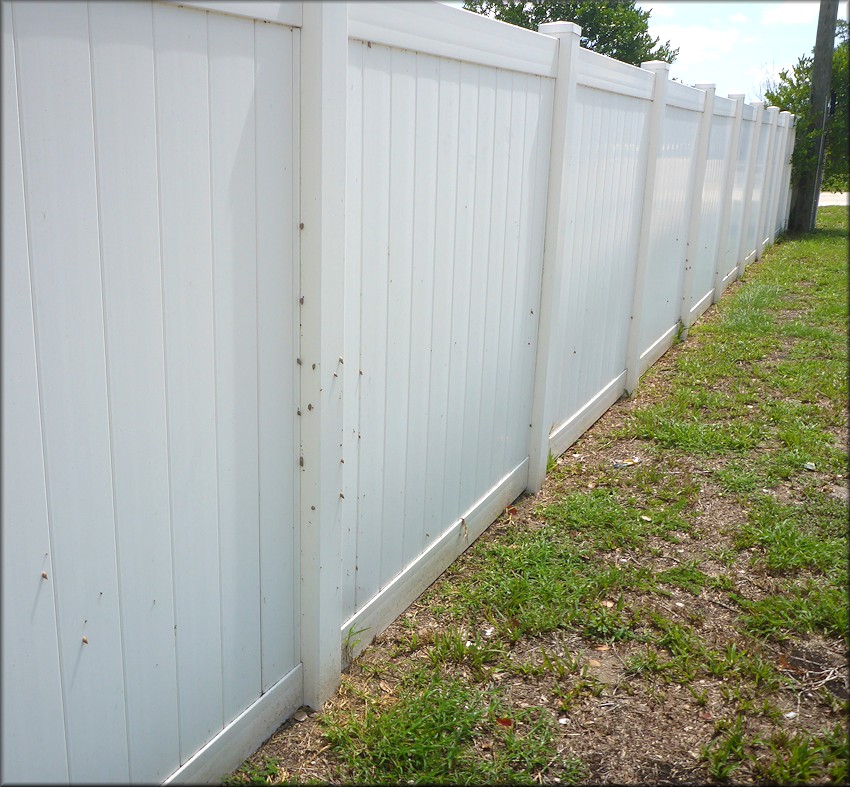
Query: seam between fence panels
[{"x": 163, "y": 310}]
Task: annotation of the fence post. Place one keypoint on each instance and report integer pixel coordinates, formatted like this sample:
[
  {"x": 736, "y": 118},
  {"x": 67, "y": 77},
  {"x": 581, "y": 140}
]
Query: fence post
[
  {"x": 560, "y": 218},
  {"x": 768, "y": 185},
  {"x": 748, "y": 189},
  {"x": 324, "y": 79},
  {"x": 661, "y": 71},
  {"x": 696, "y": 204},
  {"x": 728, "y": 189}
]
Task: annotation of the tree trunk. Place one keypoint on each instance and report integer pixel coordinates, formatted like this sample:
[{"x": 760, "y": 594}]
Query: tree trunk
[{"x": 804, "y": 202}]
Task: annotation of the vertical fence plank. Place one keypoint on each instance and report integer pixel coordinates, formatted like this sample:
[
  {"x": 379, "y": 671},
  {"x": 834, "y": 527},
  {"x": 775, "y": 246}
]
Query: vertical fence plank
[
  {"x": 558, "y": 232},
  {"x": 54, "y": 62},
  {"x": 125, "y": 113},
  {"x": 401, "y": 122},
  {"x": 513, "y": 310},
  {"x": 374, "y": 303},
  {"x": 443, "y": 275},
  {"x": 461, "y": 283},
  {"x": 180, "y": 42},
  {"x": 234, "y": 255},
  {"x": 489, "y": 288},
  {"x": 472, "y": 458},
  {"x": 33, "y": 722},
  {"x": 538, "y": 128},
  {"x": 422, "y": 299}
]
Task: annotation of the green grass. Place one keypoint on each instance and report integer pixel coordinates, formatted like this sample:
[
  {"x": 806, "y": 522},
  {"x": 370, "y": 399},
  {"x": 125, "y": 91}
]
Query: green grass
[
  {"x": 802, "y": 608},
  {"x": 429, "y": 736},
  {"x": 782, "y": 758}
]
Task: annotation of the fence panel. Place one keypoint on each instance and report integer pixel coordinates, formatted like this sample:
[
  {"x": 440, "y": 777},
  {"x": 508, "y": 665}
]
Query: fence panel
[
  {"x": 591, "y": 331},
  {"x": 669, "y": 226},
  {"x": 446, "y": 173},
  {"x": 758, "y": 191},
  {"x": 158, "y": 171},
  {"x": 708, "y": 242},
  {"x": 735, "y": 232}
]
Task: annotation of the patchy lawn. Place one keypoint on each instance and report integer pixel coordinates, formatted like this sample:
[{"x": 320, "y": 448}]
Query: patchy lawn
[{"x": 670, "y": 608}]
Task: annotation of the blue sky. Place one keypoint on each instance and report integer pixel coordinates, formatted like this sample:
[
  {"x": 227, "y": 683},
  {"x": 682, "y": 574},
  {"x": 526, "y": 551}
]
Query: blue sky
[{"x": 736, "y": 45}]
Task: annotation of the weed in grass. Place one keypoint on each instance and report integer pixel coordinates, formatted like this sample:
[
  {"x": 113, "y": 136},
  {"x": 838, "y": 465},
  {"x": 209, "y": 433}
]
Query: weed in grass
[
  {"x": 725, "y": 753},
  {"x": 425, "y": 736},
  {"x": 250, "y": 773},
  {"x": 560, "y": 666},
  {"x": 646, "y": 662},
  {"x": 595, "y": 516},
  {"x": 701, "y": 696},
  {"x": 738, "y": 476},
  {"x": 686, "y": 431},
  {"x": 428, "y": 736},
  {"x": 607, "y": 625},
  {"x": 584, "y": 687},
  {"x": 724, "y": 556},
  {"x": 801, "y": 758},
  {"x": 803, "y": 608},
  {"x": 721, "y": 582},
  {"x": 685, "y": 576}
]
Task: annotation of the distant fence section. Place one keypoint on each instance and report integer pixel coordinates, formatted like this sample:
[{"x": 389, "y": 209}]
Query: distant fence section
[{"x": 296, "y": 299}]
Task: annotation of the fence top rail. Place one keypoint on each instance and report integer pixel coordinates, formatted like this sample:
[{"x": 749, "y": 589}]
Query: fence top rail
[
  {"x": 605, "y": 73},
  {"x": 685, "y": 97},
  {"x": 437, "y": 29},
  {"x": 749, "y": 113},
  {"x": 277, "y": 11},
  {"x": 724, "y": 107}
]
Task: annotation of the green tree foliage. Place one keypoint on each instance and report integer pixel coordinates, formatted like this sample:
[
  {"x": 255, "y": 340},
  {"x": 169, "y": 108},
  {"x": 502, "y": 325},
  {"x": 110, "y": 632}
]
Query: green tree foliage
[
  {"x": 616, "y": 28},
  {"x": 793, "y": 92}
]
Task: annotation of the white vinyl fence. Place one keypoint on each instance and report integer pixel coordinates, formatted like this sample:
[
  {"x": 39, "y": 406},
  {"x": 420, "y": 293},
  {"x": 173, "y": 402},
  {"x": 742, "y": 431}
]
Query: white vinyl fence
[{"x": 296, "y": 299}]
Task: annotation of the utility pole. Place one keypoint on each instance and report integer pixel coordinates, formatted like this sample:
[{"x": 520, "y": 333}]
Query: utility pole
[{"x": 805, "y": 198}]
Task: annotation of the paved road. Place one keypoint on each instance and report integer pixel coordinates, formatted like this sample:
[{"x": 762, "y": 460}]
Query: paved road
[{"x": 828, "y": 198}]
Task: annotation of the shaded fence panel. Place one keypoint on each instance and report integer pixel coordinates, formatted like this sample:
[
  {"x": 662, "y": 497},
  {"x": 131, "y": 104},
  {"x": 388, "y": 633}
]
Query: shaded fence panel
[
  {"x": 712, "y": 203},
  {"x": 760, "y": 190},
  {"x": 156, "y": 179},
  {"x": 671, "y": 206},
  {"x": 740, "y": 197},
  {"x": 446, "y": 178},
  {"x": 592, "y": 325}
]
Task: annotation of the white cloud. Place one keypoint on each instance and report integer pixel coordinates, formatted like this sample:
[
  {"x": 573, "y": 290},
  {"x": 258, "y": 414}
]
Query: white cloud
[
  {"x": 790, "y": 13},
  {"x": 660, "y": 10},
  {"x": 738, "y": 19},
  {"x": 698, "y": 44}
]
